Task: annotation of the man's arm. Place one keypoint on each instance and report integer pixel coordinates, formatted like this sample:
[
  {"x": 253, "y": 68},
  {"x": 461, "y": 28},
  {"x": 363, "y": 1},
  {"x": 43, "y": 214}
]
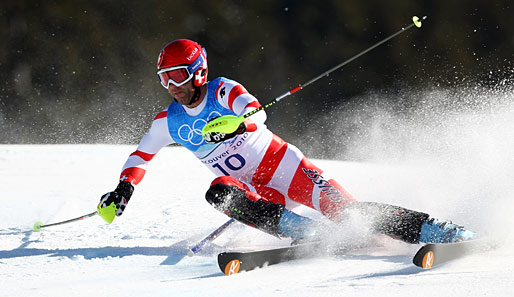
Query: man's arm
[
  {"x": 135, "y": 167},
  {"x": 235, "y": 97},
  {"x": 157, "y": 137}
]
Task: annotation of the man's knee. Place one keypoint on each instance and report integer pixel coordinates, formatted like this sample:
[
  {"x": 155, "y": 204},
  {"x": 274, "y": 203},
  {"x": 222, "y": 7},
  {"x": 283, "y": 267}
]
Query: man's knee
[
  {"x": 225, "y": 185},
  {"x": 217, "y": 194},
  {"x": 229, "y": 181}
]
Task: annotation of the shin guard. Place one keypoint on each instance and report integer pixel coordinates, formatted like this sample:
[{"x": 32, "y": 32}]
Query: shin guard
[
  {"x": 395, "y": 221},
  {"x": 253, "y": 211}
]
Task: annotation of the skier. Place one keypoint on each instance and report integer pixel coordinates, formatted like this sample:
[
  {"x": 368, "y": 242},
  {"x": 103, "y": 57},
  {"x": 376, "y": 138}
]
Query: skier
[{"x": 260, "y": 176}]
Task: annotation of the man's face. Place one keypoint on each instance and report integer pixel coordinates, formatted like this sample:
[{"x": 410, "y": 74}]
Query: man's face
[{"x": 182, "y": 94}]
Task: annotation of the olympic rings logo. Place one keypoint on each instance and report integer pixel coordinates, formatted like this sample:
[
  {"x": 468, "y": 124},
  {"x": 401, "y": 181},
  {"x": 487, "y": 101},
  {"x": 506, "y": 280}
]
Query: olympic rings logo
[{"x": 193, "y": 134}]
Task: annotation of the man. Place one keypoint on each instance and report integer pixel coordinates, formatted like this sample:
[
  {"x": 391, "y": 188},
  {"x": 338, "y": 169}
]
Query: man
[{"x": 260, "y": 175}]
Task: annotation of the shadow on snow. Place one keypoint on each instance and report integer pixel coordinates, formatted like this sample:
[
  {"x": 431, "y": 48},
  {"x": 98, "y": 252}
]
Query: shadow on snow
[{"x": 175, "y": 252}]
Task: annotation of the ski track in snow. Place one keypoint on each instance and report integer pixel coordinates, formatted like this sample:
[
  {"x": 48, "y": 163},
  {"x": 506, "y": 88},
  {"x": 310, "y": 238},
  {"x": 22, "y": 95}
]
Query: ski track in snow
[{"x": 143, "y": 252}]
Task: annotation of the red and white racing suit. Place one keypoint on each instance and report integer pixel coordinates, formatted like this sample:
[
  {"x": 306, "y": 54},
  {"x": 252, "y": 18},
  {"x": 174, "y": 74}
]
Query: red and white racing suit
[{"x": 257, "y": 161}]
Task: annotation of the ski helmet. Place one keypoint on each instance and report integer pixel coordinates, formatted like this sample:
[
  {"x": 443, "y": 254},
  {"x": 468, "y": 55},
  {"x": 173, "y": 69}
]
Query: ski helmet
[{"x": 180, "y": 61}]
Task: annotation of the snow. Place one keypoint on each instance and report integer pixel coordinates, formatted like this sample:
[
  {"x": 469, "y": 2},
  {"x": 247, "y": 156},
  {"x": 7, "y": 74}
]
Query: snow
[{"x": 142, "y": 252}]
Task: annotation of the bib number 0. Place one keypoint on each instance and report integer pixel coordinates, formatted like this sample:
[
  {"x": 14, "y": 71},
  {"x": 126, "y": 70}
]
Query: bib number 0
[{"x": 233, "y": 162}]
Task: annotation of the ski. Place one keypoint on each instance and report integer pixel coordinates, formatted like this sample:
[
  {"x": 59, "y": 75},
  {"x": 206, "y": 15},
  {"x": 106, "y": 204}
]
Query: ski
[
  {"x": 434, "y": 254},
  {"x": 234, "y": 262},
  {"x": 428, "y": 256}
]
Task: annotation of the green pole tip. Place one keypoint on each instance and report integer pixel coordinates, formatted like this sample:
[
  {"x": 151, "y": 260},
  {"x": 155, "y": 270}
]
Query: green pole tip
[
  {"x": 416, "y": 21},
  {"x": 37, "y": 226}
]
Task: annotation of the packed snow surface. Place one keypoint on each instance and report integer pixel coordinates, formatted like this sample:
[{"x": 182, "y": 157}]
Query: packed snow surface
[{"x": 142, "y": 253}]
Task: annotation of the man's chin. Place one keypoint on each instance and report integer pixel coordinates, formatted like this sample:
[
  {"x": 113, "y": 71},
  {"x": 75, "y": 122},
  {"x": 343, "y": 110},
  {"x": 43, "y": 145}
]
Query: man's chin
[{"x": 181, "y": 101}]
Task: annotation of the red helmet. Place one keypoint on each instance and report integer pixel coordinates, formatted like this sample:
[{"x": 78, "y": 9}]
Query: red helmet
[{"x": 180, "y": 61}]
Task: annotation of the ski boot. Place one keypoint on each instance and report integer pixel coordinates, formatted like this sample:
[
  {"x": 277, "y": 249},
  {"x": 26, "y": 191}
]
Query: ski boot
[
  {"x": 434, "y": 231},
  {"x": 299, "y": 228}
]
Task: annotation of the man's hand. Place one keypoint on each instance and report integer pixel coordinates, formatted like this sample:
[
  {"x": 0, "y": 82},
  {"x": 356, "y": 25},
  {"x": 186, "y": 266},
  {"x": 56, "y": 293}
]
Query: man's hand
[
  {"x": 217, "y": 137},
  {"x": 225, "y": 127},
  {"x": 120, "y": 197}
]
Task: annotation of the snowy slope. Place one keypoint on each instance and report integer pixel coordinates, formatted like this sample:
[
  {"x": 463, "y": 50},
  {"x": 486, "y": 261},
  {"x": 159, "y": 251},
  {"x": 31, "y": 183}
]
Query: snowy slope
[{"x": 141, "y": 253}]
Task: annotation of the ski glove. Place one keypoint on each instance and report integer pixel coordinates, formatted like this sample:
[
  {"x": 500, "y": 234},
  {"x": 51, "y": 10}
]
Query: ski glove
[
  {"x": 217, "y": 137},
  {"x": 120, "y": 197}
]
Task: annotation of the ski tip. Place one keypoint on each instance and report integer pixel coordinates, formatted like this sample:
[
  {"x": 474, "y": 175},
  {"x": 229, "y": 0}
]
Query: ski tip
[
  {"x": 428, "y": 260},
  {"x": 232, "y": 267},
  {"x": 424, "y": 258}
]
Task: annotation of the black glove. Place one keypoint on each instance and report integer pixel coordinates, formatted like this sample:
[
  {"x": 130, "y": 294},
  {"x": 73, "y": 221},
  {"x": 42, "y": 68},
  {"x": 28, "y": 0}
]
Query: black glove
[
  {"x": 120, "y": 197},
  {"x": 217, "y": 137}
]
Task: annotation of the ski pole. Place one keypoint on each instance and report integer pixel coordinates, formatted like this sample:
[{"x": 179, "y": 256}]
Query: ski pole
[
  {"x": 39, "y": 225},
  {"x": 229, "y": 124},
  {"x": 199, "y": 246}
]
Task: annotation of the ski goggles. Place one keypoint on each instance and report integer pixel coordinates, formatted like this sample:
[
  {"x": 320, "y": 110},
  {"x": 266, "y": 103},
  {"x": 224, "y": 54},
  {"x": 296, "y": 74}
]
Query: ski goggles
[{"x": 179, "y": 75}]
